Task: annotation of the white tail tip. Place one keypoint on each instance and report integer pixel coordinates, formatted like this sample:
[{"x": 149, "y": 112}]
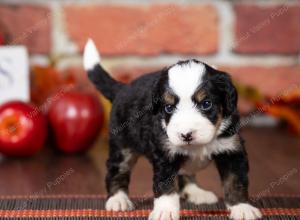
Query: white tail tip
[{"x": 91, "y": 56}]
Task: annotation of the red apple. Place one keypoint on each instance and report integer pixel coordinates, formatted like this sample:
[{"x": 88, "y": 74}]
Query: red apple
[
  {"x": 23, "y": 129},
  {"x": 76, "y": 119}
]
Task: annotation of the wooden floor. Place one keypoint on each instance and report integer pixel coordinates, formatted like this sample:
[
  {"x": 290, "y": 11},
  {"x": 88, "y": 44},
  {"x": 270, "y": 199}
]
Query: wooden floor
[{"x": 274, "y": 162}]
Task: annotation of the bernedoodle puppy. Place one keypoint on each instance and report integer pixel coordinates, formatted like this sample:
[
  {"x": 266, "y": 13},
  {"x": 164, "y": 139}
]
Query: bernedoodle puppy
[{"x": 180, "y": 118}]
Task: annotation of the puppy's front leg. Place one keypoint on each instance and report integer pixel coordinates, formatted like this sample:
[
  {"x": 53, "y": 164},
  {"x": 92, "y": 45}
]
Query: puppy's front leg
[
  {"x": 166, "y": 201},
  {"x": 233, "y": 168}
]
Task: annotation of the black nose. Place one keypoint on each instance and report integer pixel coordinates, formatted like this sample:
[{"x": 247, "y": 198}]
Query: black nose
[{"x": 187, "y": 137}]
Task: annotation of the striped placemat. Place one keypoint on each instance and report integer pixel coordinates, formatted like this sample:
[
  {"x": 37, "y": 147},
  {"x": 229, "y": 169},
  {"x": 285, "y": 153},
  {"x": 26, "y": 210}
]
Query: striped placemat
[{"x": 75, "y": 207}]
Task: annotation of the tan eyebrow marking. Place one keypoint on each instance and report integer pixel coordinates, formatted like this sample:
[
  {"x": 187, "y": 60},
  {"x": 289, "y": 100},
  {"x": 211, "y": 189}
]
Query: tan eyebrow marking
[
  {"x": 169, "y": 98},
  {"x": 219, "y": 121},
  {"x": 200, "y": 95}
]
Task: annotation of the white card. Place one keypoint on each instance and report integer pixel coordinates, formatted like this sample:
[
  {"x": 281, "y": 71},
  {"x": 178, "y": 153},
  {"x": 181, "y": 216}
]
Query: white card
[{"x": 14, "y": 74}]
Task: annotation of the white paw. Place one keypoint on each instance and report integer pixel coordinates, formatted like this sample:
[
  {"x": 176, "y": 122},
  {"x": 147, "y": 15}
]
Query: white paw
[
  {"x": 119, "y": 202},
  {"x": 166, "y": 207},
  {"x": 196, "y": 195},
  {"x": 244, "y": 211}
]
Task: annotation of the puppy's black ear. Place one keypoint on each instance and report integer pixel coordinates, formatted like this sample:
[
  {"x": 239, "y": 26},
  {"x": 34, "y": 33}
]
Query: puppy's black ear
[
  {"x": 228, "y": 93},
  {"x": 157, "y": 91}
]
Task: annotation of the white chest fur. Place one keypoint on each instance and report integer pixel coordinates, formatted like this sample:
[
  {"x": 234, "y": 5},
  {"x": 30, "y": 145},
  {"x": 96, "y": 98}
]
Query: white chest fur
[{"x": 200, "y": 156}]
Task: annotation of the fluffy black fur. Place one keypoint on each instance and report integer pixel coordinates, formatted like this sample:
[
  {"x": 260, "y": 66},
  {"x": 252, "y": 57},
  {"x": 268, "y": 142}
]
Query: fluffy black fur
[{"x": 136, "y": 129}]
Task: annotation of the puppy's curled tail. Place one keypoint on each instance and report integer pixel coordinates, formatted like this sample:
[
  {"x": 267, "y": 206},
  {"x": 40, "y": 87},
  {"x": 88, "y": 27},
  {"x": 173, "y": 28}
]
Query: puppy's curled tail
[{"x": 100, "y": 78}]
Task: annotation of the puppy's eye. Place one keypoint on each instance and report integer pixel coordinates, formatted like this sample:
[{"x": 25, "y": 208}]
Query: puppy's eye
[
  {"x": 206, "y": 105},
  {"x": 169, "y": 109}
]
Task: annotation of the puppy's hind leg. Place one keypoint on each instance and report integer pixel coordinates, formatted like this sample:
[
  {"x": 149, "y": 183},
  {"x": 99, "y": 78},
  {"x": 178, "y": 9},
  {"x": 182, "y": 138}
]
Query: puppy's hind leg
[
  {"x": 190, "y": 191},
  {"x": 119, "y": 165}
]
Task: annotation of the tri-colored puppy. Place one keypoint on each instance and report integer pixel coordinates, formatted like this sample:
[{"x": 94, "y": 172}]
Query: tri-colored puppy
[{"x": 180, "y": 118}]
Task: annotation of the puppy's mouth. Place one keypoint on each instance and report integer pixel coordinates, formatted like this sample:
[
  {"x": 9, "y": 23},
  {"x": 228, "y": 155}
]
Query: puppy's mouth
[
  {"x": 190, "y": 144},
  {"x": 193, "y": 144}
]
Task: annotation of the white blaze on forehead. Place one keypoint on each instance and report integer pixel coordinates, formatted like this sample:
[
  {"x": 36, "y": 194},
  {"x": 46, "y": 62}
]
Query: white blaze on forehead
[{"x": 184, "y": 79}]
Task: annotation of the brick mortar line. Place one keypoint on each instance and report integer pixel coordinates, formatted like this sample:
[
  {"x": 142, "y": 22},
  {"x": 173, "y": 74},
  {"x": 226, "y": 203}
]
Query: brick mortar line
[
  {"x": 266, "y": 3},
  {"x": 262, "y": 61},
  {"x": 61, "y": 43},
  {"x": 25, "y": 2},
  {"x": 226, "y": 29}
]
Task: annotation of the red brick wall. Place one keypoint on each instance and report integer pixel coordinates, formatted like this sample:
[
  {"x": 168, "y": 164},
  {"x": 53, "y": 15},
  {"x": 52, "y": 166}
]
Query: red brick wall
[
  {"x": 146, "y": 30},
  {"x": 257, "y": 42}
]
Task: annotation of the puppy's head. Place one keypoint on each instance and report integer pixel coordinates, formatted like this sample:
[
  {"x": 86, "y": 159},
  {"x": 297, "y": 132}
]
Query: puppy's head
[{"x": 193, "y": 100}]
